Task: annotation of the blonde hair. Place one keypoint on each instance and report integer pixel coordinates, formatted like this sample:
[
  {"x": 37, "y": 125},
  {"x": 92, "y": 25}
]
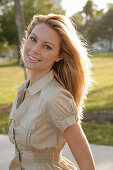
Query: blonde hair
[{"x": 73, "y": 71}]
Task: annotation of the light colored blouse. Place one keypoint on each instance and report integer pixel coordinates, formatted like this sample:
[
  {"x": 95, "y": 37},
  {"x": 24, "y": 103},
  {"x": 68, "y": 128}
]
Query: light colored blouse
[{"x": 39, "y": 116}]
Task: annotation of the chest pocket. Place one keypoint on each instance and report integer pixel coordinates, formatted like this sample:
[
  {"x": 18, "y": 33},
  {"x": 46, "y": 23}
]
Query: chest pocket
[{"x": 24, "y": 133}]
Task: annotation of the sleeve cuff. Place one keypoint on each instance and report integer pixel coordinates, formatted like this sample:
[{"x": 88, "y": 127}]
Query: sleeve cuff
[{"x": 64, "y": 124}]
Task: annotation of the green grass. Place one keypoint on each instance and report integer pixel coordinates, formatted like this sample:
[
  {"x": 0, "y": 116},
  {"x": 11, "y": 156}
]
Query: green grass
[
  {"x": 98, "y": 134},
  {"x": 101, "y": 95},
  {"x": 11, "y": 76},
  {"x": 4, "y": 123}
]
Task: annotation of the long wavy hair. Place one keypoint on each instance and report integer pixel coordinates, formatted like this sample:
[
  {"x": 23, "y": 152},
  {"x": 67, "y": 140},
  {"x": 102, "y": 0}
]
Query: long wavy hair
[{"x": 73, "y": 71}]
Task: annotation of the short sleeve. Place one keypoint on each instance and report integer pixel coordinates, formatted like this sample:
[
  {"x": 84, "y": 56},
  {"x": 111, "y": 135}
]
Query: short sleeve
[{"x": 61, "y": 110}]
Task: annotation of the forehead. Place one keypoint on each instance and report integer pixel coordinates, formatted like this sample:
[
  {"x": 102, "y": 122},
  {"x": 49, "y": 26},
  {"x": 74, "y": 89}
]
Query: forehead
[{"x": 46, "y": 33}]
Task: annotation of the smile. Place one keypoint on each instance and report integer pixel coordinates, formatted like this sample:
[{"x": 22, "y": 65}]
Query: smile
[{"x": 33, "y": 59}]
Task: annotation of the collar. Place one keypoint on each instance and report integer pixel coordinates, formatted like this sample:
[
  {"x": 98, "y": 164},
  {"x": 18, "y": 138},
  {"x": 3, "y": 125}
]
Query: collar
[{"x": 37, "y": 86}]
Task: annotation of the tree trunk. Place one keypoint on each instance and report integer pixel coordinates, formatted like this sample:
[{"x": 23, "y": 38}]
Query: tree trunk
[
  {"x": 19, "y": 20},
  {"x": 20, "y": 24}
]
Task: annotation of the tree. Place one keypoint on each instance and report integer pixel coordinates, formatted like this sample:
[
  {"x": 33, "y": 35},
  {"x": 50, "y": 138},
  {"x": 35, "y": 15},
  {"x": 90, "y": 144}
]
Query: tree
[
  {"x": 106, "y": 27},
  {"x": 8, "y": 31},
  {"x": 39, "y": 7},
  {"x": 77, "y": 19},
  {"x": 7, "y": 22},
  {"x": 89, "y": 9},
  {"x": 20, "y": 24}
]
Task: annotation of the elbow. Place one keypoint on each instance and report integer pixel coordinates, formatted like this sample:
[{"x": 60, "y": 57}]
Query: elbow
[{"x": 88, "y": 166}]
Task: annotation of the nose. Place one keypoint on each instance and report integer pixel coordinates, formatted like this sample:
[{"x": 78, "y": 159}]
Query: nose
[{"x": 36, "y": 48}]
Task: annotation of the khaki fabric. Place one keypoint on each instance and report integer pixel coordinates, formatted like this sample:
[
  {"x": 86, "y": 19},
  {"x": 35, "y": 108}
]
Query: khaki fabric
[{"x": 39, "y": 116}]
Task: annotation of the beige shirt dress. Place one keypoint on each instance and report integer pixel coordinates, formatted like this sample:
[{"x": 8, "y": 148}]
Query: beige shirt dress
[{"x": 39, "y": 116}]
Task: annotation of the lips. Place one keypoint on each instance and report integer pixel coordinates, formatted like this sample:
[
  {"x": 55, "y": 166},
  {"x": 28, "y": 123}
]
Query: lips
[{"x": 33, "y": 59}]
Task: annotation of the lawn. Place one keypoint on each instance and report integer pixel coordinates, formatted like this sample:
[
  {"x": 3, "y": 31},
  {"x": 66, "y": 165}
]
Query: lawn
[
  {"x": 11, "y": 76},
  {"x": 101, "y": 95},
  {"x": 99, "y": 98},
  {"x": 4, "y": 123},
  {"x": 98, "y": 133}
]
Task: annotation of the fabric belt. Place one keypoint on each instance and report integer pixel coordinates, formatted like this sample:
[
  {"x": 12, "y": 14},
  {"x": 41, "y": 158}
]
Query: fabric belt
[{"x": 50, "y": 157}]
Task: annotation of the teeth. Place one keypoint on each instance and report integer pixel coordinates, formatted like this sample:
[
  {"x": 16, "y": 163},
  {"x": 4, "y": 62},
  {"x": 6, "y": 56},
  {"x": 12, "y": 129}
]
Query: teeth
[{"x": 32, "y": 58}]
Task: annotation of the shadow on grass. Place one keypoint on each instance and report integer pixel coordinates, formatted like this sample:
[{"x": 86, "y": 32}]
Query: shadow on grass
[
  {"x": 4, "y": 109},
  {"x": 101, "y": 89},
  {"x": 103, "y": 54},
  {"x": 10, "y": 63}
]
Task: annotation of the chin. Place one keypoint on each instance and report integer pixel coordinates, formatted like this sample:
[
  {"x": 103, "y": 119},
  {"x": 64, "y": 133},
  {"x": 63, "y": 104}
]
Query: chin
[{"x": 28, "y": 68}]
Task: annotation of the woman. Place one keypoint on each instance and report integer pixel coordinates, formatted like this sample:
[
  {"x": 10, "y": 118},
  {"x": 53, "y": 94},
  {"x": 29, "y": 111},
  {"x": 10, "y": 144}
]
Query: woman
[{"x": 47, "y": 110}]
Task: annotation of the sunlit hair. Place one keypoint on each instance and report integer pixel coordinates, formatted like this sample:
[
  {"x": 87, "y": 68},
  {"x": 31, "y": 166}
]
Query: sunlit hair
[{"x": 73, "y": 71}]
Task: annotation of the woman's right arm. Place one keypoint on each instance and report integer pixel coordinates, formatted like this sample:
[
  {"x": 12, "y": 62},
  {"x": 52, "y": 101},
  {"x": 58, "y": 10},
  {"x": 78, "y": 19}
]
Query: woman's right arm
[{"x": 79, "y": 147}]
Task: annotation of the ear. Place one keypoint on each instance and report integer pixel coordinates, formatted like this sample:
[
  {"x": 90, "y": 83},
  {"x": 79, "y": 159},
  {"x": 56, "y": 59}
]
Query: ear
[{"x": 59, "y": 58}]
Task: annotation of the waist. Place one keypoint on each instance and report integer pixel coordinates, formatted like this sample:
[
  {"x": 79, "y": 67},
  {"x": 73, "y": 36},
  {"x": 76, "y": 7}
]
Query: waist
[{"x": 50, "y": 157}]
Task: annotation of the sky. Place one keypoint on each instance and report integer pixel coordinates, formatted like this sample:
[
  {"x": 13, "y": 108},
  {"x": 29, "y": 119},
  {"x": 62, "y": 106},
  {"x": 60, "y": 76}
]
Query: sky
[{"x": 73, "y": 6}]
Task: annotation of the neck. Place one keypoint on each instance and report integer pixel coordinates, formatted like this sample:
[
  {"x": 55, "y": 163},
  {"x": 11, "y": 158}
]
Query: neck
[{"x": 34, "y": 76}]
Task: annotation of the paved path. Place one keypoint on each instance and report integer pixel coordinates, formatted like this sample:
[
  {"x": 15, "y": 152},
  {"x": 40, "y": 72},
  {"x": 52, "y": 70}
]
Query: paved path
[{"x": 103, "y": 155}]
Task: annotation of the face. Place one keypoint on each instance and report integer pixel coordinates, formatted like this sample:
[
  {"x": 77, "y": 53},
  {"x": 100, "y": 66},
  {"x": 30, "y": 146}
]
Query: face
[{"x": 41, "y": 49}]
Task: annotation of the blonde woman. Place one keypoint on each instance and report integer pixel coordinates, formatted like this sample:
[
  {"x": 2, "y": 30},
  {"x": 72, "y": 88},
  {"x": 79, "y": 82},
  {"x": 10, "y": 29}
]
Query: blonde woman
[{"x": 47, "y": 110}]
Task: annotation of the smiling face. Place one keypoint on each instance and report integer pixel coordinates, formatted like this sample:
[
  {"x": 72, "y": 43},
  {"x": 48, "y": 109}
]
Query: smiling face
[{"x": 41, "y": 49}]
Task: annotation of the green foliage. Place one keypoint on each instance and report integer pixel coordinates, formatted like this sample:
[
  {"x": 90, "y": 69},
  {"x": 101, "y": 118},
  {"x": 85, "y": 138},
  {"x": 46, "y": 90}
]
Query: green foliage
[
  {"x": 8, "y": 26},
  {"x": 110, "y": 6},
  {"x": 4, "y": 123},
  {"x": 42, "y": 7},
  {"x": 100, "y": 26},
  {"x": 106, "y": 25},
  {"x": 97, "y": 24},
  {"x": 90, "y": 30},
  {"x": 89, "y": 9},
  {"x": 98, "y": 134},
  {"x": 8, "y": 31}
]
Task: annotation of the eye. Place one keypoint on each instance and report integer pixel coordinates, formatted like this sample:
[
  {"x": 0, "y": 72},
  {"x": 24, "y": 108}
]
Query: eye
[
  {"x": 33, "y": 39},
  {"x": 47, "y": 47}
]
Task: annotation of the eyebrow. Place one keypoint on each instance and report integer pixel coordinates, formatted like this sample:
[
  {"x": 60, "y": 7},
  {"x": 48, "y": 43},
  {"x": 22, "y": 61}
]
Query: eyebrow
[{"x": 45, "y": 41}]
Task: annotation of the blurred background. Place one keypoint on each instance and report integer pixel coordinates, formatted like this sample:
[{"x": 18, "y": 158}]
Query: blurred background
[{"x": 93, "y": 19}]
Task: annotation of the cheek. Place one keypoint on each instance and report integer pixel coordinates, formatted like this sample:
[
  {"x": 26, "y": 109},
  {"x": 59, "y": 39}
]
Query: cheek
[
  {"x": 27, "y": 46},
  {"x": 51, "y": 56}
]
